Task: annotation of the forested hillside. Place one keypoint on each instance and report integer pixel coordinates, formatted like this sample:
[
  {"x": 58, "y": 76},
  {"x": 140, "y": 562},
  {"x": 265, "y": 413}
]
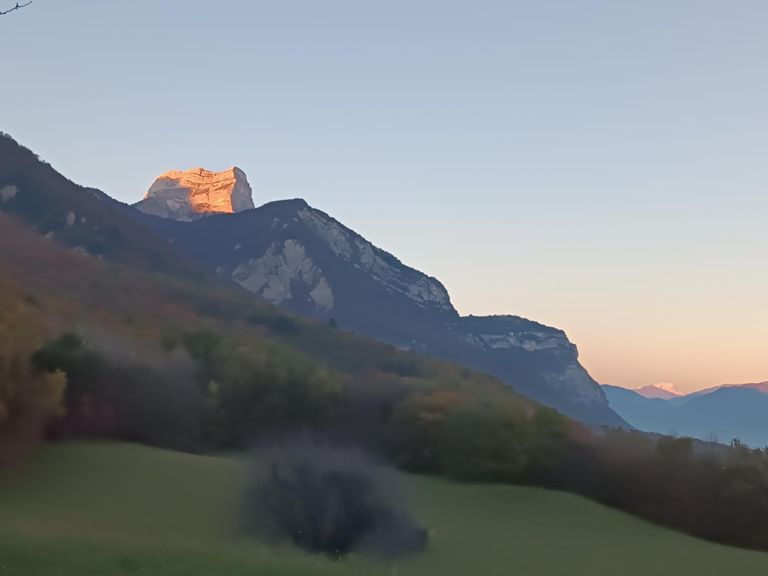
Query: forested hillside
[{"x": 199, "y": 367}]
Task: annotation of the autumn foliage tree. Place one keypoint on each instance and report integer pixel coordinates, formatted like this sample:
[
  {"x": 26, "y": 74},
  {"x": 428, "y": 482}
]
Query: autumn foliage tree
[
  {"x": 29, "y": 398},
  {"x": 450, "y": 433}
]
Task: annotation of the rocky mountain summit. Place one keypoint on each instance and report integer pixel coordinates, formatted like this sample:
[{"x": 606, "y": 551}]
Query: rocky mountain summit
[{"x": 191, "y": 194}]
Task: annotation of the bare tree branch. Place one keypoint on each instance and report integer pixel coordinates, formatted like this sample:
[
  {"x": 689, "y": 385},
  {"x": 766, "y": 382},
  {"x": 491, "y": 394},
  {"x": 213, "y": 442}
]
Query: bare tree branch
[{"x": 15, "y": 8}]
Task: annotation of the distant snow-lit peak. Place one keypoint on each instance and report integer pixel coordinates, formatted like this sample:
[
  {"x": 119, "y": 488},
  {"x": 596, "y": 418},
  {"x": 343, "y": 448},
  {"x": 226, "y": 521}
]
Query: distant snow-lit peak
[{"x": 663, "y": 390}]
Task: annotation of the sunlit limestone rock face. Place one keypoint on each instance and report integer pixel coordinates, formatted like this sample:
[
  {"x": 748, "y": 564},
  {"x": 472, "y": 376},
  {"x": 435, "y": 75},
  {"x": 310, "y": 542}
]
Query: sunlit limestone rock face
[{"x": 194, "y": 193}]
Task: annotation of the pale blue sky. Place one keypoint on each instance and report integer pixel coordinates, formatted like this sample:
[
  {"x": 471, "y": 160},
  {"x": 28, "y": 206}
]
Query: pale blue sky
[{"x": 596, "y": 165}]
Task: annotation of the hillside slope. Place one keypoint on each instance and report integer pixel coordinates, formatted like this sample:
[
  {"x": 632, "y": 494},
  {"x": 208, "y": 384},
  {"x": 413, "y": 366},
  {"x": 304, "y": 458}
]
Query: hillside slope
[
  {"x": 115, "y": 509},
  {"x": 83, "y": 219}
]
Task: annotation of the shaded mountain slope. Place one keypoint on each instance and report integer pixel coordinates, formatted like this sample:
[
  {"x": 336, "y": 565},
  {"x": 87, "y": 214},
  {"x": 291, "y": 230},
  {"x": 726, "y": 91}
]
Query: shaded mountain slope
[
  {"x": 303, "y": 260},
  {"x": 137, "y": 307},
  {"x": 83, "y": 219}
]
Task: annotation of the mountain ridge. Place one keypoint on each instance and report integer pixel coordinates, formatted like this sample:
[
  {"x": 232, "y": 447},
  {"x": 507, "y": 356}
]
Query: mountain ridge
[
  {"x": 290, "y": 254},
  {"x": 302, "y": 259},
  {"x": 84, "y": 219}
]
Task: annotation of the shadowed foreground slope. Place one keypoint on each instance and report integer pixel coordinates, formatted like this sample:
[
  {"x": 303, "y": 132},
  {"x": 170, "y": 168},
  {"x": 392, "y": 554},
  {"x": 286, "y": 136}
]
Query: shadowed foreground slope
[{"x": 107, "y": 509}]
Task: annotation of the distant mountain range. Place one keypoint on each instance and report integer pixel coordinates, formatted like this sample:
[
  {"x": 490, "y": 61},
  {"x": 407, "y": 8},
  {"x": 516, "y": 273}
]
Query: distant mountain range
[
  {"x": 201, "y": 224},
  {"x": 721, "y": 413}
]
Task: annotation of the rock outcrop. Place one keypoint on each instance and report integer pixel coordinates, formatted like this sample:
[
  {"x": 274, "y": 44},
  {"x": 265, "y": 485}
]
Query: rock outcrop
[{"x": 197, "y": 192}]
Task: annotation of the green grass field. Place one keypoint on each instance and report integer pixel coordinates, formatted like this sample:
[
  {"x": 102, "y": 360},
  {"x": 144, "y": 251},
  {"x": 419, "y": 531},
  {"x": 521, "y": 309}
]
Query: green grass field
[{"x": 81, "y": 509}]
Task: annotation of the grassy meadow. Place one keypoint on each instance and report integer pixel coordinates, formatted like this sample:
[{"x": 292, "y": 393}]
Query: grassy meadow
[{"x": 81, "y": 509}]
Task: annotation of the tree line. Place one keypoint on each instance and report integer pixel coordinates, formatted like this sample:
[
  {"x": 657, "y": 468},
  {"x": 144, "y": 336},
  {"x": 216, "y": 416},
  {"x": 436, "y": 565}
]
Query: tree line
[{"x": 204, "y": 392}]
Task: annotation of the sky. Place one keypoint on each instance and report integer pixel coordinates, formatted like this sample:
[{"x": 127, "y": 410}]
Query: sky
[{"x": 599, "y": 166}]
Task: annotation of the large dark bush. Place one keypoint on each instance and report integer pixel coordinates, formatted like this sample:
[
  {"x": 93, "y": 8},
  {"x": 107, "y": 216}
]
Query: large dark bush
[{"x": 329, "y": 500}]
